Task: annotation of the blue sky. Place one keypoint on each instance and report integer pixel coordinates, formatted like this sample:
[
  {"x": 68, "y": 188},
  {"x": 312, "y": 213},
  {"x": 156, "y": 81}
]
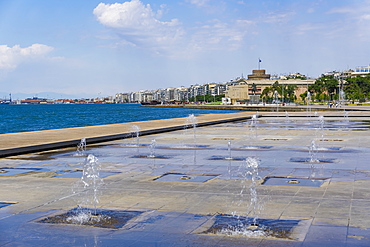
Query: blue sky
[{"x": 89, "y": 48}]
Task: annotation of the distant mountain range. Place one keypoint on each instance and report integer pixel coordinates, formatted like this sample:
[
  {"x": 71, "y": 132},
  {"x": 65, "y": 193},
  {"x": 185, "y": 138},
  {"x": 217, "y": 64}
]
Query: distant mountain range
[{"x": 46, "y": 95}]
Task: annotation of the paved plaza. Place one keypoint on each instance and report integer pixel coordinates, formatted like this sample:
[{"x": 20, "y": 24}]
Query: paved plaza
[{"x": 304, "y": 178}]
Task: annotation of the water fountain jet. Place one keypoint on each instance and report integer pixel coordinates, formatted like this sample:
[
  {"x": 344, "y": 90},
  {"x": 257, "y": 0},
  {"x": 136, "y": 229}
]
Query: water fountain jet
[
  {"x": 87, "y": 191},
  {"x": 152, "y": 149},
  {"x": 248, "y": 171},
  {"x": 81, "y": 148},
  {"x": 312, "y": 150},
  {"x": 229, "y": 149},
  {"x": 309, "y": 104},
  {"x": 276, "y": 100},
  {"x": 228, "y": 157},
  {"x": 136, "y": 133},
  {"x": 191, "y": 120},
  {"x": 190, "y": 126},
  {"x": 89, "y": 183}
]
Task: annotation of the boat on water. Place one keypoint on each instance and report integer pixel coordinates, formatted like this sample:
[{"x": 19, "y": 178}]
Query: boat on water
[{"x": 153, "y": 102}]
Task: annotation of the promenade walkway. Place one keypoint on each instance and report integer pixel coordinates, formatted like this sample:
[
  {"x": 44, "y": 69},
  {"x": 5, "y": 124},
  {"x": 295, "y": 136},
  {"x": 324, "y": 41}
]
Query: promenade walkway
[{"x": 332, "y": 211}]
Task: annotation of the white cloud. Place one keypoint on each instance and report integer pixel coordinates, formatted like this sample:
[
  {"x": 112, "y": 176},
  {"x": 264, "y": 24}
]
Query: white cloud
[
  {"x": 309, "y": 28},
  {"x": 11, "y": 57},
  {"x": 278, "y": 18},
  {"x": 310, "y": 10},
  {"x": 359, "y": 11},
  {"x": 199, "y": 3},
  {"x": 216, "y": 34},
  {"x": 355, "y": 19},
  {"x": 137, "y": 24}
]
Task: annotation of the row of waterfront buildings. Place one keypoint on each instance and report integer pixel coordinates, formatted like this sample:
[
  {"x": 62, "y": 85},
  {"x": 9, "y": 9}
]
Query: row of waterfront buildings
[{"x": 236, "y": 91}]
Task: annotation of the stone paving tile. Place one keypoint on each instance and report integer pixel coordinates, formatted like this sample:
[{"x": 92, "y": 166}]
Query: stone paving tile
[
  {"x": 280, "y": 243},
  {"x": 330, "y": 221},
  {"x": 282, "y": 190},
  {"x": 359, "y": 220},
  {"x": 358, "y": 237},
  {"x": 361, "y": 203},
  {"x": 310, "y": 192},
  {"x": 326, "y": 236},
  {"x": 332, "y": 212}
]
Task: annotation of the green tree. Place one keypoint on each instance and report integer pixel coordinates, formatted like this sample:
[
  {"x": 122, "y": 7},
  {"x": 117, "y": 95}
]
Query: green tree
[
  {"x": 357, "y": 87},
  {"x": 268, "y": 92},
  {"x": 207, "y": 98},
  {"x": 200, "y": 98},
  {"x": 331, "y": 85},
  {"x": 265, "y": 95},
  {"x": 317, "y": 88},
  {"x": 284, "y": 91},
  {"x": 289, "y": 90},
  {"x": 324, "y": 87},
  {"x": 277, "y": 87},
  {"x": 303, "y": 96}
]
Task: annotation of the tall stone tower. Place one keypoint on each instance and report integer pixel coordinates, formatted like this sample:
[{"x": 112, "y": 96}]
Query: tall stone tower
[{"x": 259, "y": 74}]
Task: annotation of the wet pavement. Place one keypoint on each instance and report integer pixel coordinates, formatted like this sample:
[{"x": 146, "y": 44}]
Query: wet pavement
[{"x": 191, "y": 198}]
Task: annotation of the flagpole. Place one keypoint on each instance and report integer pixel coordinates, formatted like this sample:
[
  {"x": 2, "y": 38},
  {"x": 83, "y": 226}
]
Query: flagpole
[{"x": 259, "y": 63}]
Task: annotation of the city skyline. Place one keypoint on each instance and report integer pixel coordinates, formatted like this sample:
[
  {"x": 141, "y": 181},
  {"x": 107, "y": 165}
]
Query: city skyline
[{"x": 91, "y": 48}]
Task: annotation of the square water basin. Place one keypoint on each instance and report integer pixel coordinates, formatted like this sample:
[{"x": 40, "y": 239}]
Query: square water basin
[
  {"x": 181, "y": 177},
  {"x": 242, "y": 226},
  {"x": 78, "y": 174},
  {"x": 291, "y": 181},
  {"x": 113, "y": 219},
  {"x": 16, "y": 171},
  {"x": 5, "y": 204},
  {"x": 308, "y": 160},
  {"x": 227, "y": 158}
]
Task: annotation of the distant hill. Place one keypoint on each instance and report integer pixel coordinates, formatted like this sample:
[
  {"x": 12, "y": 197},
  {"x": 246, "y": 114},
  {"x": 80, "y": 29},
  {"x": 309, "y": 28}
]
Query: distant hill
[{"x": 47, "y": 95}]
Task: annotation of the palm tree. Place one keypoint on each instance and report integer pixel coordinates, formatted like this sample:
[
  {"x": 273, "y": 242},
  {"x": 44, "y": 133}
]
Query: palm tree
[
  {"x": 290, "y": 91},
  {"x": 265, "y": 95}
]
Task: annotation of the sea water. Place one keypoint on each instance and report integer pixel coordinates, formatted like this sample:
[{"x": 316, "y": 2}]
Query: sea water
[{"x": 21, "y": 118}]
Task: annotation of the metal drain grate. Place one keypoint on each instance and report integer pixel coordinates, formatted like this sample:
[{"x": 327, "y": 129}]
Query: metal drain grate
[{"x": 293, "y": 181}]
